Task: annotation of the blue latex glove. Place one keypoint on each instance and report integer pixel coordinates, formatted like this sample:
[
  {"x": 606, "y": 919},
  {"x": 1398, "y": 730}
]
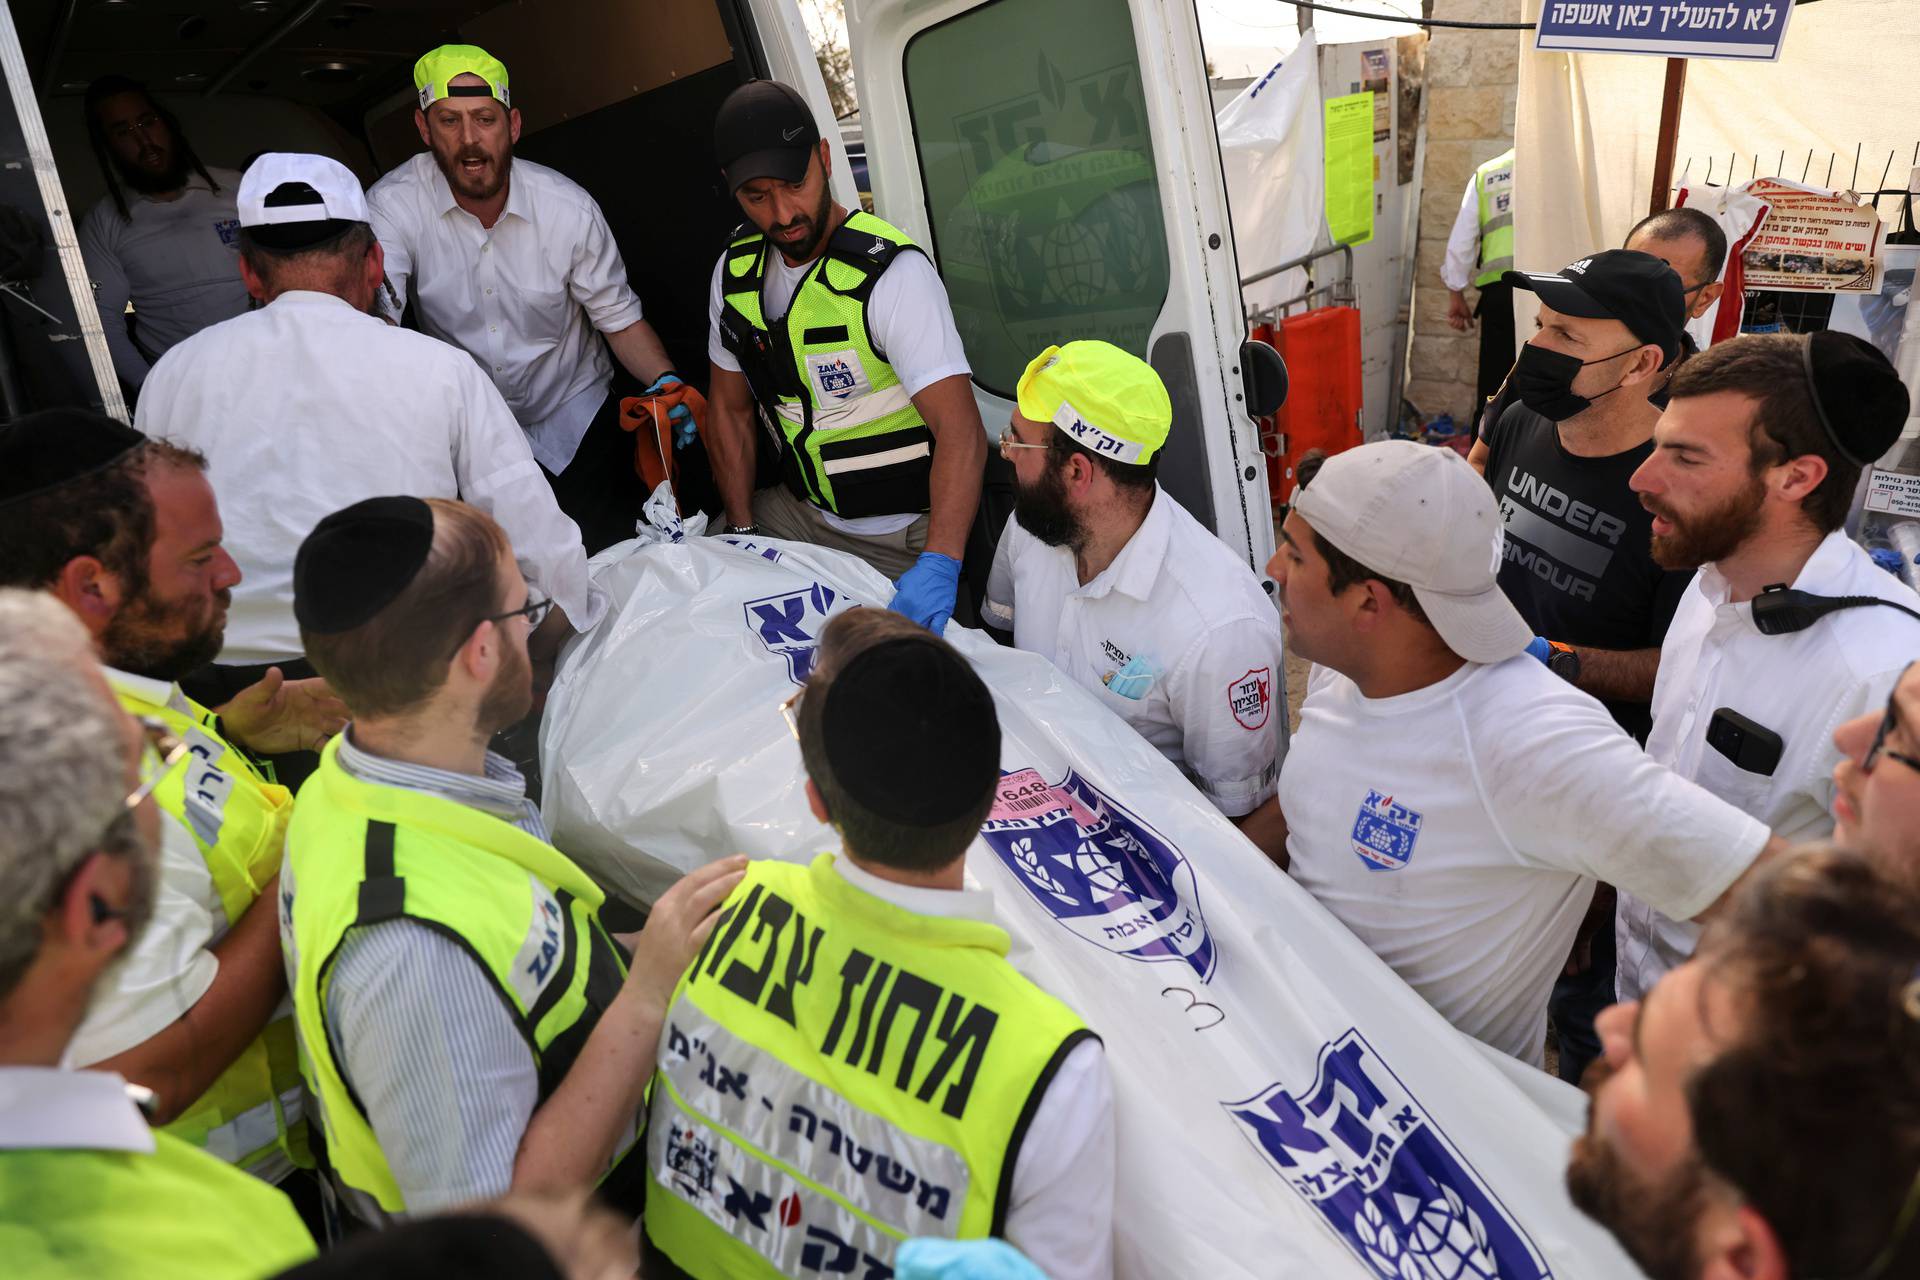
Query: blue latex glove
[
  {"x": 963, "y": 1260},
  {"x": 680, "y": 418},
  {"x": 1540, "y": 649},
  {"x": 925, "y": 592}
]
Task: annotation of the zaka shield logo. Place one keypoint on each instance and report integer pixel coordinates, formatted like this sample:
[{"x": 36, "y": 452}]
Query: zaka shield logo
[
  {"x": 1100, "y": 870},
  {"x": 1384, "y": 833},
  {"x": 839, "y": 375},
  {"x": 1359, "y": 1149},
  {"x": 790, "y": 624}
]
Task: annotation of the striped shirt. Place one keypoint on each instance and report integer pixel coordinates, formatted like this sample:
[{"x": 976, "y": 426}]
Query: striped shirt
[{"x": 421, "y": 1031}]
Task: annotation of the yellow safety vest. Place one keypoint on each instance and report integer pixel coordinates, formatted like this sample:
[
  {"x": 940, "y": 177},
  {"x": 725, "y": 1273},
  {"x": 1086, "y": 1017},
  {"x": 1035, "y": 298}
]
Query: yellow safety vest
[
  {"x": 852, "y": 442},
  {"x": 359, "y": 853},
  {"x": 238, "y": 820},
  {"x": 836, "y": 1075},
  {"x": 174, "y": 1214},
  {"x": 1493, "y": 181}
]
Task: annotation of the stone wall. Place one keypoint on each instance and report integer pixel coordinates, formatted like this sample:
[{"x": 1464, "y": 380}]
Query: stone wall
[{"x": 1473, "y": 78}]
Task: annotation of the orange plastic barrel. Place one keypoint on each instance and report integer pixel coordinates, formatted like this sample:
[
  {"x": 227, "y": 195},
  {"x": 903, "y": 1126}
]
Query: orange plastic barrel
[{"x": 1322, "y": 351}]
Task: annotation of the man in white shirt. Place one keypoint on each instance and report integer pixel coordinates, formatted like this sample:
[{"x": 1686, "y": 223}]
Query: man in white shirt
[
  {"x": 310, "y": 404},
  {"x": 1479, "y": 252},
  {"x": 86, "y": 1188},
  {"x": 165, "y": 238},
  {"x": 1754, "y": 467},
  {"x": 125, "y": 532},
  {"x": 831, "y": 333},
  {"x": 1104, "y": 573},
  {"x": 513, "y": 263},
  {"x": 1448, "y": 798}
]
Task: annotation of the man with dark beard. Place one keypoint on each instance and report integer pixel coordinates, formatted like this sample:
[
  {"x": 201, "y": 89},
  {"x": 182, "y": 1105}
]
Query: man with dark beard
[
  {"x": 125, "y": 532},
  {"x": 1757, "y": 1115},
  {"x": 831, "y": 331},
  {"x": 1754, "y": 466},
  {"x": 1129, "y": 595},
  {"x": 513, "y": 263},
  {"x": 165, "y": 238},
  {"x": 465, "y": 1019}
]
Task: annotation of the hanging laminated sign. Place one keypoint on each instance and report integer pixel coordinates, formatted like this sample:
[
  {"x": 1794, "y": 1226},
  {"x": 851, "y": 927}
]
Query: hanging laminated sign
[{"x": 1743, "y": 30}]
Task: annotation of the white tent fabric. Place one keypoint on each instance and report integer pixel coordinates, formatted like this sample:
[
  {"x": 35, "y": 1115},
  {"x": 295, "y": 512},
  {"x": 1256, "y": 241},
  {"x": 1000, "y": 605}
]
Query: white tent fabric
[
  {"x": 1271, "y": 146},
  {"x": 1287, "y": 1108},
  {"x": 1848, "y": 75}
]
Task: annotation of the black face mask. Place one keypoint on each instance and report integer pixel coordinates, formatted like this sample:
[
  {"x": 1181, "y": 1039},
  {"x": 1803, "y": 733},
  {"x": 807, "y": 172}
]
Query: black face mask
[{"x": 1543, "y": 380}]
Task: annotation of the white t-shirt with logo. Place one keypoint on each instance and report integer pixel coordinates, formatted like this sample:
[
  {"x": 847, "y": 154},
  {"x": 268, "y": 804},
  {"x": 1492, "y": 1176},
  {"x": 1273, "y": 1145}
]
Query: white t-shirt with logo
[
  {"x": 1186, "y": 622},
  {"x": 912, "y": 325},
  {"x": 1458, "y": 830}
]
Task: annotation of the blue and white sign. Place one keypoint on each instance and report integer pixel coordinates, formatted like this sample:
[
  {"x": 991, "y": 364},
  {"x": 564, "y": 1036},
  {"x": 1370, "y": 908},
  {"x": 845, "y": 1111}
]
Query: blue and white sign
[
  {"x": 1099, "y": 870},
  {"x": 1359, "y": 1148},
  {"x": 1749, "y": 30}
]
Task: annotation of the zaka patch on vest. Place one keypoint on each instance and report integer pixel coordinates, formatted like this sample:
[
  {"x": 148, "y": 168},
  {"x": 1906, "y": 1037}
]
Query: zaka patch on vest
[{"x": 838, "y": 375}]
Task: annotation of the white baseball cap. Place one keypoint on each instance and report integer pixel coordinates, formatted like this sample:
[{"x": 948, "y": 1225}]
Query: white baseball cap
[
  {"x": 1422, "y": 516},
  {"x": 289, "y": 200}
]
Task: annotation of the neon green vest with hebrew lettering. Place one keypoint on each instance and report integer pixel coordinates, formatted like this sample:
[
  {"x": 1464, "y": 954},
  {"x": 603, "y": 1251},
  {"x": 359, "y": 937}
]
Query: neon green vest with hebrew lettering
[
  {"x": 358, "y": 854},
  {"x": 1493, "y": 182},
  {"x": 851, "y": 441},
  {"x": 836, "y": 1075},
  {"x": 238, "y": 820}
]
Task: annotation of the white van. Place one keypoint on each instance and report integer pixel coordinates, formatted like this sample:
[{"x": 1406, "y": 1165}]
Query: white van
[{"x": 1058, "y": 161}]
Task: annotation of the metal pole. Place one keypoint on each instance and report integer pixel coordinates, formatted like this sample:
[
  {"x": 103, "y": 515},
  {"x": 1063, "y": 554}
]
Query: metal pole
[
  {"x": 281, "y": 30},
  {"x": 1670, "y": 101}
]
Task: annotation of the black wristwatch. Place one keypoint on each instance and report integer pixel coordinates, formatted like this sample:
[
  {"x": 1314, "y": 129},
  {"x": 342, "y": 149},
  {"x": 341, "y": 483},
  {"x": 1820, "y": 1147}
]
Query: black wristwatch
[{"x": 1564, "y": 661}]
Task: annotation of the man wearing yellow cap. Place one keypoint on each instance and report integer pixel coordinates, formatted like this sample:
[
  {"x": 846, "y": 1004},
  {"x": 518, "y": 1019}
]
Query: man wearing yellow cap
[
  {"x": 1109, "y": 577},
  {"x": 514, "y": 263}
]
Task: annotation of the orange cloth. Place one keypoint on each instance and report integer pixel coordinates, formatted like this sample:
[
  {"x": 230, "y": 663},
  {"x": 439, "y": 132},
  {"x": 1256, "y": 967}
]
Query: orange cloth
[{"x": 647, "y": 418}]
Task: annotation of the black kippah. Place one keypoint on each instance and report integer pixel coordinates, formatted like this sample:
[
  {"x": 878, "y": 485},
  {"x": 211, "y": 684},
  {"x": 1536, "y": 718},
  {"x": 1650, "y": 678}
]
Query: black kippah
[
  {"x": 1860, "y": 399},
  {"x": 910, "y": 732},
  {"x": 43, "y": 451},
  {"x": 357, "y": 561}
]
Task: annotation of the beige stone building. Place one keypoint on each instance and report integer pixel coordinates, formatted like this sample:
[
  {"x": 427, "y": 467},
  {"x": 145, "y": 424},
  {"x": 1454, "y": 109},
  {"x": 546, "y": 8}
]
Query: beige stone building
[{"x": 1473, "y": 78}]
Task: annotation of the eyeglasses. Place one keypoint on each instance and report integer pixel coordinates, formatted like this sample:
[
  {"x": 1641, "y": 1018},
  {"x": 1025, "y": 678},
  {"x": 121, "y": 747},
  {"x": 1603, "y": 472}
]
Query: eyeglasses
[
  {"x": 146, "y": 123},
  {"x": 1887, "y": 723},
  {"x": 535, "y": 611},
  {"x": 164, "y": 751},
  {"x": 1008, "y": 443}
]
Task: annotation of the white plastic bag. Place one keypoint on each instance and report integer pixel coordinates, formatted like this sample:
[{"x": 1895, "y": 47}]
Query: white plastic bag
[{"x": 1287, "y": 1107}]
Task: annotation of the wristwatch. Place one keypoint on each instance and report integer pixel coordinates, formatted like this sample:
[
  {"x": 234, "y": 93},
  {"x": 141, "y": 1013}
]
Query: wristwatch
[{"x": 1563, "y": 661}]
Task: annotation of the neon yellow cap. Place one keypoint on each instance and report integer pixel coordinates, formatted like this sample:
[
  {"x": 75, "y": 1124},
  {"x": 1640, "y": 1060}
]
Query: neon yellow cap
[
  {"x": 1108, "y": 400},
  {"x": 433, "y": 74}
]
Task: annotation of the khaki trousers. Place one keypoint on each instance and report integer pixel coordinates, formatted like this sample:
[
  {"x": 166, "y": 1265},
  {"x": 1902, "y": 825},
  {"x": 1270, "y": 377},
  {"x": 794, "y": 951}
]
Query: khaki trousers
[{"x": 781, "y": 515}]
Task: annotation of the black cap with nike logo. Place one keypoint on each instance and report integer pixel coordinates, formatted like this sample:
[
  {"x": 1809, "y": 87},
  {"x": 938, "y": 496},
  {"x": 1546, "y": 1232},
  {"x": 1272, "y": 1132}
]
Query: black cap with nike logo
[{"x": 764, "y": 130}]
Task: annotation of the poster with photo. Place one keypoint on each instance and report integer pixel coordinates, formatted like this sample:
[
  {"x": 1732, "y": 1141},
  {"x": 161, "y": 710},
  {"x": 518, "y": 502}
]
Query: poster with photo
[
  {"x": 1813, "y": 241},
  {"x": 1376, "y": 77}
]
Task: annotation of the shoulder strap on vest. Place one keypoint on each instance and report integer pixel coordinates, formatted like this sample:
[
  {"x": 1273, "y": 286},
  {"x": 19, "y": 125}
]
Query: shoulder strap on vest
[{"x": 383, "y": 895}]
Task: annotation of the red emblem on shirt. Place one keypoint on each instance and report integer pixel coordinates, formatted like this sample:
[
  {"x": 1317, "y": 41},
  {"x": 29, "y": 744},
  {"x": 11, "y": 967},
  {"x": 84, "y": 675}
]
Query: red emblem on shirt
[{"x": 1250, "y": 698}]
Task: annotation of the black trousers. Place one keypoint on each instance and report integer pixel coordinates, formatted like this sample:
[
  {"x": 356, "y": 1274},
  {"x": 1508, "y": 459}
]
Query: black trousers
[
  {"x": 600, "y": 491},
  {"x": 214, "y": 685},
  {"x": 1495, "y": 313}
]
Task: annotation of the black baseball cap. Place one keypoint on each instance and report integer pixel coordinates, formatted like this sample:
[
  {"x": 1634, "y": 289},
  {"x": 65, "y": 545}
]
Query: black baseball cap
[
  {"x": 764, "y": 130},
  {"x": 1637, "y": 289}
]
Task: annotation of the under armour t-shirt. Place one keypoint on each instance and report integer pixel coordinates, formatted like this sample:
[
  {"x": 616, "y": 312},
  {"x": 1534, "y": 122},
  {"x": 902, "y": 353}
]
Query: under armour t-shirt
[{"x": 1579, "y": 565}]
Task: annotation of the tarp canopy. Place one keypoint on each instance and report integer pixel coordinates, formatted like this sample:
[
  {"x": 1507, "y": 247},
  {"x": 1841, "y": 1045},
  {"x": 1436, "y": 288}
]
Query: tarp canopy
[{"x": 1287, "y": 1108}]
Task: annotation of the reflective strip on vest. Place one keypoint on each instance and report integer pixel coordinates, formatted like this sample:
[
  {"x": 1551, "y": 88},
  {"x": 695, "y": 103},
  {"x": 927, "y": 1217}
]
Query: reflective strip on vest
[
  {"x": 905, "y": 453},
  {"x": 251, "y": 1115},
  {"x": 1493, "y": 183}
]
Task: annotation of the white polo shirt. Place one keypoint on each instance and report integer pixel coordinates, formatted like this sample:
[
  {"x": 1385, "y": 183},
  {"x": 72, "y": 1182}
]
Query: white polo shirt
[
  {"x": 1801, "y": 685},
  {"x": 1458, "y": 830},
  {"x": 177, "y": 261},
  {"x": 307, "y": 406},
  {"x": 1180, "y": 607},
  {"x": 523, "y": 297}
]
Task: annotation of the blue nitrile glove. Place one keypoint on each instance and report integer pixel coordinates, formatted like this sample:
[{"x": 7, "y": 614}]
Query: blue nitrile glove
[
  {"x": 925, "y": 592},
  {"x": 1540, "y": 649},
  {"x": 680, "y": 417},
  {"x": 930, "y": 1259}
]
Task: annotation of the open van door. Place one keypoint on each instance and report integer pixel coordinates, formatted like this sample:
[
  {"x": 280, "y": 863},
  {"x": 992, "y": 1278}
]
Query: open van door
[{"x": 1058, "y": 159}]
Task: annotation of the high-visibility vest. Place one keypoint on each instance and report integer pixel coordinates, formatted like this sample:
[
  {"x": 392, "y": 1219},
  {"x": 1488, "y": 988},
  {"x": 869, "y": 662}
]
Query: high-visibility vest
[
  {"x": 174, "y": 1214},
  {"x": 851, "y": 441},
  {"x": 1493, "y": 182},
  {"x": 838, "y": 1074},
  {"x": 238, "y": 821},
  {"x": 359, "y": 853}
]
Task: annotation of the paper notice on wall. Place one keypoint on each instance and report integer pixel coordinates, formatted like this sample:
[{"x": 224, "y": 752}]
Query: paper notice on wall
[
  {"x": 1814, "y": 240},
  {"x": 1376, "y": 78},
  {"x": 1349, "y": 149},
  {"x": 1894, "y": 493}
]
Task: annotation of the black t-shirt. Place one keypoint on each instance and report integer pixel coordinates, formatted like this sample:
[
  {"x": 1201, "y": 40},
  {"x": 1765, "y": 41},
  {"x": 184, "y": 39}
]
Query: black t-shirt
[{"x": 1579, "y": 565}]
